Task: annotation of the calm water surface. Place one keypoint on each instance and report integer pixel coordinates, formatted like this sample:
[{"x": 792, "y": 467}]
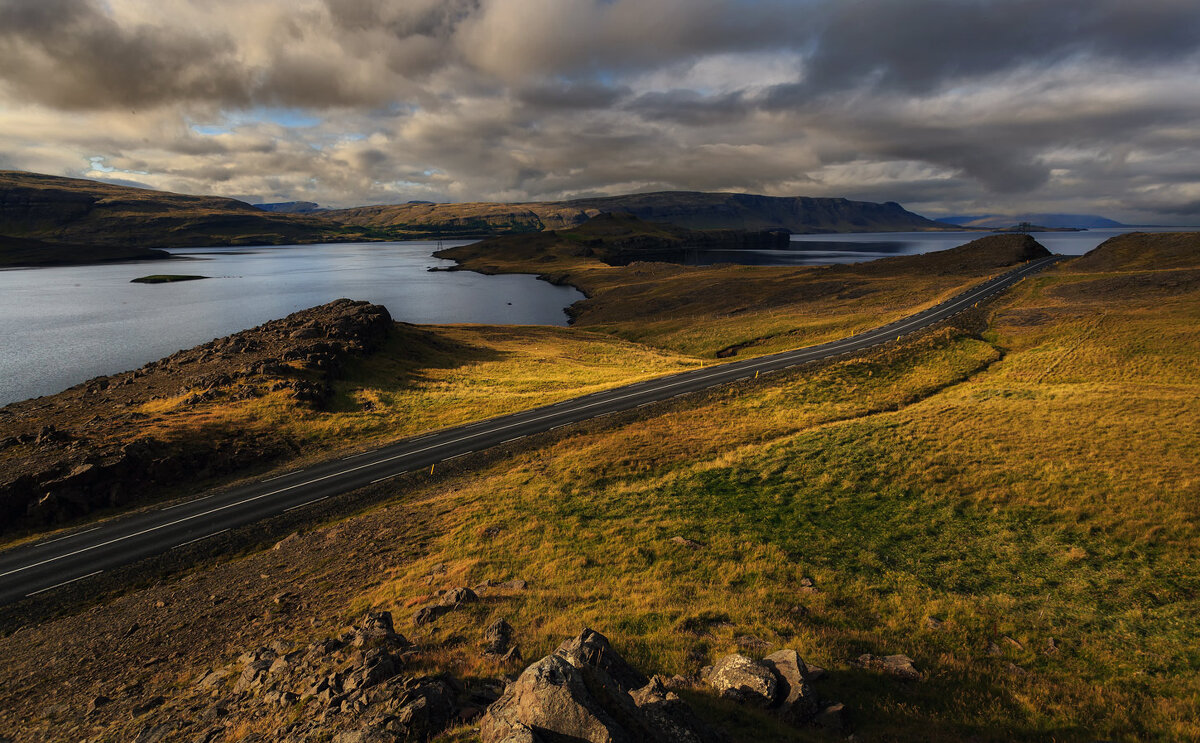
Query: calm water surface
[
  {"x": 855, "y": 247},
  {"x": 60, "y": 326}
]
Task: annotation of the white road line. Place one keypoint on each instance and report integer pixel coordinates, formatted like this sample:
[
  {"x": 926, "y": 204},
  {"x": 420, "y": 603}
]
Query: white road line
[
  {"x": 197, "y": 539},
  {"x": 191, "y": 502},
  {"x": 277, "y": 477},
  {"x": 59, "y": 539},
  {"x": 65, "y": 582},
  {"x": 718, "y": 373},
  {"x": 389, "y": 477},
  {"x": 302, "y": 505}
]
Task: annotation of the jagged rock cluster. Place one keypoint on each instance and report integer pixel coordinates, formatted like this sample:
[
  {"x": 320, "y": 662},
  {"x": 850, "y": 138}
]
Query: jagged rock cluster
[
  {"x": 371, "y": 684},
  {"x": 86, "y": 448},
  {"x": 360, "y": 686},
  {"x": 584, "y": 690}
]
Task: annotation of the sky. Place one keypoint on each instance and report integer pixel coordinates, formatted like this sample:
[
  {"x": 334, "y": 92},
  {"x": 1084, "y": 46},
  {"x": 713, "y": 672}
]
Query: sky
[{"x": 946, "y": 106}]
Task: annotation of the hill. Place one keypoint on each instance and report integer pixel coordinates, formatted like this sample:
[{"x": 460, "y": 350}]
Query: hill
[
  {"x": 618, "y": 239},
  {"x": 1141, "y": 251},
  {"x": 20, "y": 251},
  {"x": 1051, "y": 221},
  {"x": 719, "y": 311},
  {"x": 691, "y": 209},
  {"x": 85, "y": 213},
  {"x": 290, "y": 207}
]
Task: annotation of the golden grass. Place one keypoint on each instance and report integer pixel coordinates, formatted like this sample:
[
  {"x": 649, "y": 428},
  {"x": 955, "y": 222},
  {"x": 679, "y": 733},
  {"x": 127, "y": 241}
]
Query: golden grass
[
  {"x": 704, "y": 310},
  {"x": 1036, "y": 495},
  {"x": 464, "y": 373}
]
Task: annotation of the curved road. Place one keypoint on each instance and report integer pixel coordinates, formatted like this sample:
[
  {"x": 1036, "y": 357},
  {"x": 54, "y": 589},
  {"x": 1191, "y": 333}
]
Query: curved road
[{"x": 44, "y": 566}]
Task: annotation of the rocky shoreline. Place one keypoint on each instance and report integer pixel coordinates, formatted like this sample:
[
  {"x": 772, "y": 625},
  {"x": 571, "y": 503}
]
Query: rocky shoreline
[{"x": 95, "y": 446}]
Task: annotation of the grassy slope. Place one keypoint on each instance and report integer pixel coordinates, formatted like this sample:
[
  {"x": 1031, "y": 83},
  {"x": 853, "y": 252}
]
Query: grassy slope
[
  {"x": 703, "y": 310},
  {"x": 90, "y": 213},
  {"x": 452, "y": 374},
  {"x": 1042, "y": 509}
]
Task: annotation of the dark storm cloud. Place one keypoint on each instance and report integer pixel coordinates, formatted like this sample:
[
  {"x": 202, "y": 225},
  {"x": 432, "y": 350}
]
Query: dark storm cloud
[
  {"x": 71, "y": 54},
  {"x": 946, "y": 101},
  {"x": 919, "y": 44}
]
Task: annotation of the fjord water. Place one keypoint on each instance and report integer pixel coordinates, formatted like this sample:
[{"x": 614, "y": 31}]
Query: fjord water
[
  {"x": 855, "y": 247},
  {"x": 61, "y": 326}
]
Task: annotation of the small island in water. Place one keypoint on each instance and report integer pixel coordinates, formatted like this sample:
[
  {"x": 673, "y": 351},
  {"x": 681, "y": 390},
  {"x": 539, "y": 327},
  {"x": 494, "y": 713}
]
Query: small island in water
[{"x": 165, "y": 278}]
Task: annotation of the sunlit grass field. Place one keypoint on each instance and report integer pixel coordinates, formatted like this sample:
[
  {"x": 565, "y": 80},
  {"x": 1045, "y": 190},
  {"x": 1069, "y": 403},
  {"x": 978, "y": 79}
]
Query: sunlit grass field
[
  {"x": 1018, "y": 514},
  {"x": 1013, "y": 507}
]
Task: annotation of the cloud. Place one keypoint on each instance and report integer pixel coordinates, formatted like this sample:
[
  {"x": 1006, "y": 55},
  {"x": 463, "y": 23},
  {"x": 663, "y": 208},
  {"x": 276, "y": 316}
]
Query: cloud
[{"x": 991, "y": 104}]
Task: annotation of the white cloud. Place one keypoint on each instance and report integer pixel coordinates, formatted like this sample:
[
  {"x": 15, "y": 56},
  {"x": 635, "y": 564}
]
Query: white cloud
[{"x": 944, "y": 105}]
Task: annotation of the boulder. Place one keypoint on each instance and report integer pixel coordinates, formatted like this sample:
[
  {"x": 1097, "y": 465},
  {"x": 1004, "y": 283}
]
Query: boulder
[
  {"x": 670, "y": 717},
  {"x": 456, "y": 596},
  {"x": 553, "y": 696},
  {"x": 368, "y": 734},
  {"x": 429, "y": 614},
  {"x": 739, "y": 678},
  {"x": 893, "y": 665},
  {"x": 581, "y": 692},
  {"x": 377, "y": 629},
  {"x": 375, "y": 666},
  {"x": 797, "y": 700},
  {"x": 498, "y": 639},
  {"x": 591, "y": 649},
  {"x": 427, "y": 707}
]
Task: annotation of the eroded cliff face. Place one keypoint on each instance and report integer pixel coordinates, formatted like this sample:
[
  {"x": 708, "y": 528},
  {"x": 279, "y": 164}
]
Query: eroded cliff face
[
  {"x": 691, "y": 209},
  {"x": 110, "y": 442}
]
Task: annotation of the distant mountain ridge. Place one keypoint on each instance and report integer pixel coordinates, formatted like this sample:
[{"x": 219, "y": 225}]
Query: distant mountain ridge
[
  {"x": 291, "y": 207},
  {"x": 691, "y": 209},
  {"x": 77, "y": 212},
  {"x": 77, "y": 220},
  {"x": 1053, "y": 221}
]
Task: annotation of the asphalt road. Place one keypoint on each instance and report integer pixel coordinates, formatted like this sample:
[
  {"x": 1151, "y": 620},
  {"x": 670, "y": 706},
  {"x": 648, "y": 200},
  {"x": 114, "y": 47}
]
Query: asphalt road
[{"x": 44, "y": 566}]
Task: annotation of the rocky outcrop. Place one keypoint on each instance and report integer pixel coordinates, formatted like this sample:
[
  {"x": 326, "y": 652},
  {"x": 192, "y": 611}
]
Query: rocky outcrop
[
  {"x": 898, "y": 665},
  {"x": 796, "y": 699},
  {"x": 498, "y": 641},
  {"x": 86, "y": 448},
  {"x": 781, "y": 682},
  {"x": 741, "y": 679},
  {"x": 355, "y": 687},
  {"x": 586, "y": 691}
]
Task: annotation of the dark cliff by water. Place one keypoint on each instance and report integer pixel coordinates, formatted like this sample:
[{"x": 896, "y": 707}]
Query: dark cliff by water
[{"x": 692, "y": 209}]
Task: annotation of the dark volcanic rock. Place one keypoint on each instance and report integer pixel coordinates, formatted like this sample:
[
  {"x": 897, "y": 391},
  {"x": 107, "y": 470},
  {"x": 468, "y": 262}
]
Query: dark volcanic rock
[
  {"x": 797, "y": 700},
  {"x": 456, "y": 596},
  {"x": 377, "y": 629},
  {"x": 893, "y": 665},
  {"x": 591, "y": 649},
  {"x": 573, "y": 694},
  {"x": 498, "y": 638},
  {"x": 739, "y": 678},
  {"x": 86, "y": 448}
]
